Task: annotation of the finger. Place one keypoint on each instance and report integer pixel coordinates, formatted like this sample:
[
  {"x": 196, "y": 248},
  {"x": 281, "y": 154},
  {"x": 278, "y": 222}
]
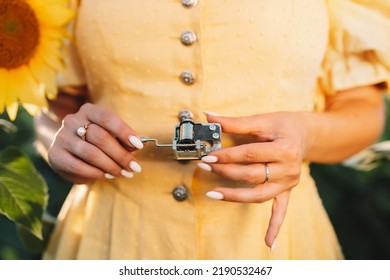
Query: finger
[
  {"x": 279, "y": 209},
  {"x": 92, "y": 155},
  {"x": 250, "y": 153},
  {"x": 104, "y": 140},
  {"x": 73, "y": 169},
  {"x": 250, "y": 174},
  {"x": 258, "y": 194},
  {"x": 240, "y": 125},
  {"x": 111, "y": 122}
]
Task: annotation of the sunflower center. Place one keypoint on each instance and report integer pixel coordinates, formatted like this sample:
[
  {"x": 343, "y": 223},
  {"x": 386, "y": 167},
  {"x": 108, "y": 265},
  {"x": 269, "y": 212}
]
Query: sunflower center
[{"x": 19, "y": 33}]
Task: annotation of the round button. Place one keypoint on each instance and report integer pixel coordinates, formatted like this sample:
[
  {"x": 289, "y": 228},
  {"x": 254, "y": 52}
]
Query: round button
[
  {"x": 180, "y": 193},
  {"x": 188, "y": 38},
  {"x": 187, "y": 77},
  {"x": 189, "y": 3},
  {"x": 185, "y": 114}
]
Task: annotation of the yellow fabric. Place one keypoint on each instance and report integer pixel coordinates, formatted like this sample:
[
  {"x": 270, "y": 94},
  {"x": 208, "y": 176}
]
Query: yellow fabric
[
  {"x": 250, "y": 57},
  {"x": 360, "y": 44},
  {"x": 73, "y": 74}
]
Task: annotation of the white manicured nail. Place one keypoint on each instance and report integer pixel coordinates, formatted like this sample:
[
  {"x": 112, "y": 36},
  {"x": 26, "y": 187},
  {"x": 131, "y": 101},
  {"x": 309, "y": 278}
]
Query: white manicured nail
[
  {"x": 127, "y": 174},
  {"x": 108, "y": 176},
  {"x": 136, "y": 142},
  {"x": 212, "y": 114},
  {"x": 210, "y": 159},
  {"x": 204, "y": 166},
  {"x": 135, "y": 167},
  {"x": 273, "y": 246},
  {"x": 214, "y": 195}
]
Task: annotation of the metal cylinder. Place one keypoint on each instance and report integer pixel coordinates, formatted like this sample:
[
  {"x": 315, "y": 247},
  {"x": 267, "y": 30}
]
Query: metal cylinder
[{"x": 186, "y": 133}]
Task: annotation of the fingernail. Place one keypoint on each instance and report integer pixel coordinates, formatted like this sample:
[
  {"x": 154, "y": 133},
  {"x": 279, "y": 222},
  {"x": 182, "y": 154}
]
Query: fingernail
[
  {"x": 211, "y": 114},
  {"x": 136, "y": 142},
  {"x": 135, "y": 167},
  {"x": 108, "y": 176},
  {"x": 204, "y": 166},
  {"x": 214, "y": 195},
  {"x": 273, "y": 246},
  {"x": 210, "y": 159},
  {"x": 127, "y": 174}
]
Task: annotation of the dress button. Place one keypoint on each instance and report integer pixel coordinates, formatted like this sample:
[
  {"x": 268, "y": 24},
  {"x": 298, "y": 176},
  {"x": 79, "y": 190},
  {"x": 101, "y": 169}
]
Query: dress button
[
  {"x": 188, "y": 38},
  {"x": 180, "y": 193},
  {"x": 187, "y": 77},
  {"x": 189, "y": 3}
]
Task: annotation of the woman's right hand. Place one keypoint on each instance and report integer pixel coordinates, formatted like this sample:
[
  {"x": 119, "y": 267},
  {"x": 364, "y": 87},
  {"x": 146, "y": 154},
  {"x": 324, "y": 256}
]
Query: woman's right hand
[{"x": 106, "y": 151}]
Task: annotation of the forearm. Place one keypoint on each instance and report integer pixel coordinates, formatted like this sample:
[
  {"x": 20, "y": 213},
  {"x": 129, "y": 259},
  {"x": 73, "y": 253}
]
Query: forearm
[{"x": 352, "y": 120}]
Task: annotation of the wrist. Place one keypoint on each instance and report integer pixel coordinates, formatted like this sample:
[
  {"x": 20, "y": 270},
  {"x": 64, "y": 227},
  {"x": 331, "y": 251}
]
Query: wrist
[{"x": 309, "y": 132}]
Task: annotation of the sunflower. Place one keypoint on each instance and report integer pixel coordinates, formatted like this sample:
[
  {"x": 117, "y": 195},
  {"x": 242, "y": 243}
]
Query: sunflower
[{"x": 31, "y": 37}]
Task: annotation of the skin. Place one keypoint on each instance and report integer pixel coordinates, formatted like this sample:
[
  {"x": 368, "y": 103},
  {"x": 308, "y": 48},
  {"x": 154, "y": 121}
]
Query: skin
[{"x": 283, "y": 140}]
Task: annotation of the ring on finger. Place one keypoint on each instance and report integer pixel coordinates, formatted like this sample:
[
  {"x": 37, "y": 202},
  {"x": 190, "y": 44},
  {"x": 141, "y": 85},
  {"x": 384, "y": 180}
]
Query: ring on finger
[
  {"x": 82, "y": 131},
  {"x": 267, "y": 172}
]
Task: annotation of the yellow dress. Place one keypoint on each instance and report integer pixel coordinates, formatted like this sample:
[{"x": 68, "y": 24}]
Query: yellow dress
[{"x": 249, "y": 57}]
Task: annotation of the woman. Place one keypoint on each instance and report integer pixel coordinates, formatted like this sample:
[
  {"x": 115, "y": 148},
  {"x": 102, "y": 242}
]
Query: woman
[{"x": 292, "y": 83}]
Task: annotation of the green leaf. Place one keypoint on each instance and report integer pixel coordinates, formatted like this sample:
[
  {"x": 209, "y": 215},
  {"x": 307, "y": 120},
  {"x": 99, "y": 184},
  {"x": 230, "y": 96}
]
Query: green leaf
[
  {"x": 23, "y": 191},
  {"x": 31, "y": 242}
]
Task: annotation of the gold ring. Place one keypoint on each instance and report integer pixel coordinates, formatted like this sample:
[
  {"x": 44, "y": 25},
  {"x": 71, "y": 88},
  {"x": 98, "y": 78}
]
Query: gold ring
[{"x": 82, "y": 131}]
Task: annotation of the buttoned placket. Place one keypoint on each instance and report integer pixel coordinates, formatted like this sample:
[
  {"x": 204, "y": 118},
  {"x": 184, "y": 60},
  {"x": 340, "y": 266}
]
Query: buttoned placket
[{"x": 188, "y": 38}]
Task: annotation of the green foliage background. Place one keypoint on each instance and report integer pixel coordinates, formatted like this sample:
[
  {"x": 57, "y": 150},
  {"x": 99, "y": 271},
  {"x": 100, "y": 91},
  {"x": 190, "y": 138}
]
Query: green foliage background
[
  {"x": 11, "y": 246},
  {"x": 358, "y": 202}
]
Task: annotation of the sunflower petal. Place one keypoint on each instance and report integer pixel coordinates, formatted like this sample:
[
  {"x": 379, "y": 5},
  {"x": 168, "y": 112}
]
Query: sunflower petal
[
  {"x": 12, "y": 110},
  {"x": 26, "y": 88},
  {"x": 44, "y": 74},
  {"x": 54, "y": 33},
  {"x": 51, "y": 14},
  {"x": 52, "y": 54},
  {"x": 3, "y": 88},
  {"x": 10, "y": 94},
  {"x": 31, "y": 109}
]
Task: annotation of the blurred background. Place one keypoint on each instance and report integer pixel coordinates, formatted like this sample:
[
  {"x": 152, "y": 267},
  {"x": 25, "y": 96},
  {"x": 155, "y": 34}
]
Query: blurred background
[{"x": 358, "y": 202}]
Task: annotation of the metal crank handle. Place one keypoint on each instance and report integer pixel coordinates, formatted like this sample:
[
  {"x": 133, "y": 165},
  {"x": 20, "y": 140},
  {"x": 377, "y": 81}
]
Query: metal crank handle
[{"x": 146, "y": 139}]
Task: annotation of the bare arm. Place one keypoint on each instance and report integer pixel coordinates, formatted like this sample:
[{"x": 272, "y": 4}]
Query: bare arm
[
  {"x": 283, "y": 140},
  {"x": 353, "y": 119}
]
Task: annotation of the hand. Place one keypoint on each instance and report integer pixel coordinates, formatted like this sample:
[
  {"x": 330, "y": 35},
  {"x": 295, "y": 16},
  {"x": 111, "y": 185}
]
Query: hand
[
  {"x": 277, "y": 140},
  {"x": 106, "y": 151}
]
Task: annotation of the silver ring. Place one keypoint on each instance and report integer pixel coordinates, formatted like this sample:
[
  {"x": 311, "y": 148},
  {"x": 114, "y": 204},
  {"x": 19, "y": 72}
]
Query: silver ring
[
  {"x": 266, "y": 173},
  {"x": 82, "y": 131}
]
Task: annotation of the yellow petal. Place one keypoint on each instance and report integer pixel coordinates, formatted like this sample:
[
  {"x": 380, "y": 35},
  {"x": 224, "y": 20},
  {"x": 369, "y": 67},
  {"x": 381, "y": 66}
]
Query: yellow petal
[
  {"x": 10, "y": 96},
  {"x": 51, "y": 53},
  {"x": 53, "y": 33},
  {"x": 51, "y": 14},
  {"x": 25, "y": 87},
  {"x": 12, "y": 110},
  {"x": 43, "y": 74},
  {"x": 3, "y": 88},
  {"x": 31, "y": 109}
]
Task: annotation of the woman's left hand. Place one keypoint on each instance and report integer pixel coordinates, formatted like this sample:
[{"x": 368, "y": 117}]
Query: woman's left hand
[{"x": 278, "y": 143}]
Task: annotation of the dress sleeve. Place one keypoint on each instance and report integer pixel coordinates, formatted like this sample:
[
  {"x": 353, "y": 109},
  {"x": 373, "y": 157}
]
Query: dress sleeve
[
  {"x": 73, "y": 73},
  {"x": 358, "y": 52}
]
